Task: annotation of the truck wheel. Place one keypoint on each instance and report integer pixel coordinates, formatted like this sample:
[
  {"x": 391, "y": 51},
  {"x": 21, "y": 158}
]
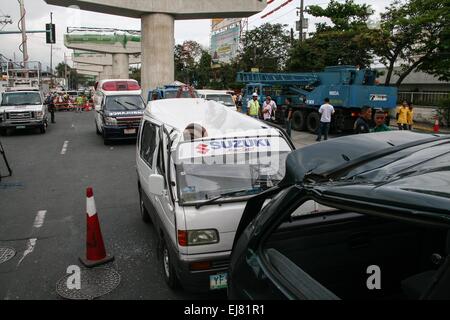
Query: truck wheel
[
  {"x": 145, "y": 216},
  {"x": 313, "y": 122},
  {"x": 96, "y": 128},
  {"x": 298, "y": 121},
  {"x": 3, "y": 132},
  {"x": 168, "y": 268},
  {"x": 43, "y": 129}
]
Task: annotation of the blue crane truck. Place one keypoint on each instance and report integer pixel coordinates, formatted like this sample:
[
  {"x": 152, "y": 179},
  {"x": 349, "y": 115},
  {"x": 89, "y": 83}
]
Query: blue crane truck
[{"x": 347, "y": 87}]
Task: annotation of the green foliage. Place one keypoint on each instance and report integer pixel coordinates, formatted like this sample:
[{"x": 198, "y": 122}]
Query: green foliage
[
  {"x": 135, "y": 74},
  {"x": 443, "y": 111},
  {"x": 343, "y": 42},
  {"x": 344, "y": 16},
  {"x": 74, "y": 79},
  {"x": 187, "y": 58},
  {"x": 265, "y": 48},
  {"x": 416, "y": 34}
]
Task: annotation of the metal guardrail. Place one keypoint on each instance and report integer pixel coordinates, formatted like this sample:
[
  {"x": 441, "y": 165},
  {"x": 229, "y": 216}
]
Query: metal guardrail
[{"x": 430, "y": 99}]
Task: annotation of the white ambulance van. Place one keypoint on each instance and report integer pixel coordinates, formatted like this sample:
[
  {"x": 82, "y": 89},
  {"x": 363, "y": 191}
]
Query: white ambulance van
[
  {"x": 119, "y": 108},
  {"x": 198, "y": 163}
]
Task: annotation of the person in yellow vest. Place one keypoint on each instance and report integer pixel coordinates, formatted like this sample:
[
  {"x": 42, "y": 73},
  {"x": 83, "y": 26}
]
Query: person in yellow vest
[
  {"x": 410, "y": 116},
  {"x": 402, "y": 116},
  {"x": 254, "y": 109}
]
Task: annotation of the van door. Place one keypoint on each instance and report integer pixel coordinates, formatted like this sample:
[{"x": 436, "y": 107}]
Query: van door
[
  {"x": 146, "y": 160},
  {"x": 166, "y": 201},
  {"x": 99, "y": 101}
]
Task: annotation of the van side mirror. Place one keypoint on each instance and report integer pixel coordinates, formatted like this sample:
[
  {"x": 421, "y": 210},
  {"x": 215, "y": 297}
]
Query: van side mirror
[{"x": 156, "y": 184}]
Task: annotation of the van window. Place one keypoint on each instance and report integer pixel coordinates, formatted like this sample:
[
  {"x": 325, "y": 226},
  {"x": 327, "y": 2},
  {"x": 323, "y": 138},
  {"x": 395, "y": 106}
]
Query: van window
[
  {"x": 149, "y": 142},
  {"x": 124, "y": 103},
  {"x": 225, "y": 99},
  {"x": 243, "y": 166}
]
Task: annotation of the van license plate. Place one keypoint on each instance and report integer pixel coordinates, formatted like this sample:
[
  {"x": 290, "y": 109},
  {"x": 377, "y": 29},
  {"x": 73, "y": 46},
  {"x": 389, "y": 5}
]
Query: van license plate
[
  {"x": 21, "y": 127},
  {"x": 218, "y": 281},
  {"x": 130, "y": 131}
]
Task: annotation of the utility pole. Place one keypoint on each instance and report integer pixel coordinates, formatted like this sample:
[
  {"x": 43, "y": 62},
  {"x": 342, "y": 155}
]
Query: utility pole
[
  {"x": 302, "y": 18},
  {"x": 23, "y": 29},
  {"x": 65, "y": 71},
  {"x": 51, "y": 53}
]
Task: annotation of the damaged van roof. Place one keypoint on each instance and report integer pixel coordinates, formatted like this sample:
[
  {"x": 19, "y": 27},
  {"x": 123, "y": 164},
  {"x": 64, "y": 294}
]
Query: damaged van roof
[{"x": 217, "y": 119}]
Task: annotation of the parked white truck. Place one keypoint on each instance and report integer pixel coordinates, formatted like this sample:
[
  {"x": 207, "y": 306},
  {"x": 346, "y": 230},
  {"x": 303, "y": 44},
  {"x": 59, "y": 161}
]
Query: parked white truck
[{"x": 22, "y": 108}]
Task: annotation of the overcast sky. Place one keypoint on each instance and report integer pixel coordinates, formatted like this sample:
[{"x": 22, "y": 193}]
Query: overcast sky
[{"x": 38, "y": 14}]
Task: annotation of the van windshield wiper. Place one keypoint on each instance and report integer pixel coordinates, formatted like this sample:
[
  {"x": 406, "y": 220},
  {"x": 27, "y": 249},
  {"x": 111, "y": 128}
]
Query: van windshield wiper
[
  {"x": 134, "y": 105},
  {"x": 122, "y": 104},
  {"x": 215, "y": 199}
]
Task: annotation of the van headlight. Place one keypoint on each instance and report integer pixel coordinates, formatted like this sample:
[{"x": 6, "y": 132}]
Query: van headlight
[
  {"x": 110, "y": 121},
  {"x": 197, "y": 237},
  {"x": 39, "y": 115}
]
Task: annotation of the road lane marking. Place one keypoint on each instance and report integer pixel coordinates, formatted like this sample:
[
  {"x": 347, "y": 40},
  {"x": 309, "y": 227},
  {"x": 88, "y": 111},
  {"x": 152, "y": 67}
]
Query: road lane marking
[
  {"x": 64, "y": 148},
  {"x": 39, "y": 220},
  {"x": 31, "y": 244},
  {"x": 30, "y": 248}
]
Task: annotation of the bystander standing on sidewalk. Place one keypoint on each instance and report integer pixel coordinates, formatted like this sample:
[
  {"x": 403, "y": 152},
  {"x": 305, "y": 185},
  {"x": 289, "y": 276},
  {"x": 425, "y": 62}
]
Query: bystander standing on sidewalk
[
  {"x": 288, "y": 111},
  {"x": 327, "y": 111},
  {"x": 79, "y": 103},
  {"x": 402, "y": 116},
  {"x": 380, "y": 122},
  {"x": 254, "y": 108},
  {"x": 269, "y": 108},
  {"x": 362, "y": 123},
  {"x": 239, "y": 102},
  {"x": 410, "y": 116}
]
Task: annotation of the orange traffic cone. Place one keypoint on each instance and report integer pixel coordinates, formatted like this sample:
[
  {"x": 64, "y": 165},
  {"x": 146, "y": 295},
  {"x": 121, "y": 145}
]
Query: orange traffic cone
[
  {"x": 436, "y": 125},
  {"x": 95, "y": 248}
]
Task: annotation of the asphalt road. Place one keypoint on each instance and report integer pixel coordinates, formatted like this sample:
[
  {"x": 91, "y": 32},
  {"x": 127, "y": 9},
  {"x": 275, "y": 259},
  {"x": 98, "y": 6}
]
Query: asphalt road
[{"x": 43, "y": 212}]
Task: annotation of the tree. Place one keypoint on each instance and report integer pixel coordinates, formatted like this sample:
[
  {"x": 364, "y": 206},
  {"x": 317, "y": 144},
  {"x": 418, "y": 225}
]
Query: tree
[
  {"x": 341, "y": 42},
  {"x": 187, "y": 56},
  {"x": 344, "y": 16},
  {"x": 135, "y": 74},
  {"x": 414, "y": 34},
  {"x": 61, "y": 69},
  {"x": 204, "y": 70},
  {"x": 73, "y": 78},
  {"x": 265, "y": 48}
]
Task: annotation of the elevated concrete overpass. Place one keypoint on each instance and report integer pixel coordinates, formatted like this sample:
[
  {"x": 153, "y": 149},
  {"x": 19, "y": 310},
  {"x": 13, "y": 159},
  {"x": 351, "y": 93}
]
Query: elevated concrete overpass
[
  {"x": 158, "y": 24},
  {"x": 119, "y": 46}
]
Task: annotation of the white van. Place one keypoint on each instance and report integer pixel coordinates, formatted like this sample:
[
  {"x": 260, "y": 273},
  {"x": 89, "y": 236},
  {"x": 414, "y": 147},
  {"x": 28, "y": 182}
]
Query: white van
[
  {"x": 118, "y": 109},
  {"x": 220, "y": 96},
  {"x": 23, "y": 108},
  {"x": 198, "y": 163}
]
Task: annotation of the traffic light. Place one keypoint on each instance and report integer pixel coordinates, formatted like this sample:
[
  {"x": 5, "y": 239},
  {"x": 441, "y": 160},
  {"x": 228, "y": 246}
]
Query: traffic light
[{"x": 50, "y": 33}]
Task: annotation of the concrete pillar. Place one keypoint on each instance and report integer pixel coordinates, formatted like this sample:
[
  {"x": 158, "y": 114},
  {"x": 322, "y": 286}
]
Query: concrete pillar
[
  {"x": 107, "y": 72},
  {"x": 120, "y": 67},
  {"x": 158, "y": 42}
]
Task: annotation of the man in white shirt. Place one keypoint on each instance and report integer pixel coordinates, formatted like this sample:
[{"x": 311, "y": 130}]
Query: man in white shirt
[
  {"x": 327, "y": 111},
  {"x": 269, "y": 108}
]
